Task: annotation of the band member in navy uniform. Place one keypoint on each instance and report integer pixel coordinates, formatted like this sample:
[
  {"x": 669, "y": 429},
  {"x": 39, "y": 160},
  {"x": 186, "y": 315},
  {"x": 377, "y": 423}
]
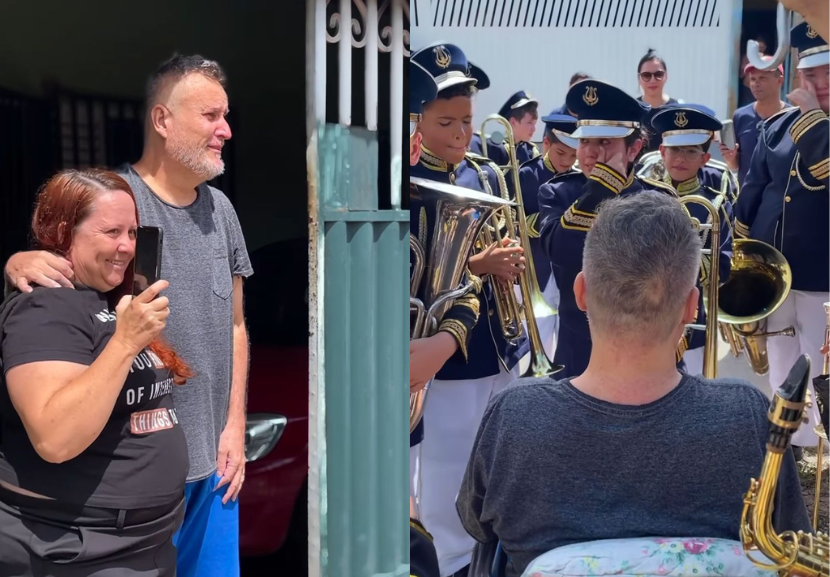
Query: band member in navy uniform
[
  {"x": 687, "y": 134},
  {"x": 784, "y": 202},
  {"x": 463, "y": 387},
  {"x": 427, "y": 355},
  {"x": 610, "y": 141},
  {"x": 558, "y": 158},
  {"x": 718, "y": 176},
  {"x": 521, "y": 110}
]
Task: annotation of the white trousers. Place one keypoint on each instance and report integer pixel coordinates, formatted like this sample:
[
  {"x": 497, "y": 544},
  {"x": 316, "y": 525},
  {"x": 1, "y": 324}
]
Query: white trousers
[
  {"x": 452, "y": 414},
  {"x": 549, "y": 325},
  {"x": 805, "y": 312}
]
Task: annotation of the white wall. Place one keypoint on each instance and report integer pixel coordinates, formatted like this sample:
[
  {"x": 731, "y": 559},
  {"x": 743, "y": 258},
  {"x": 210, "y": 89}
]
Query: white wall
[{"x": 541, "y": 59}]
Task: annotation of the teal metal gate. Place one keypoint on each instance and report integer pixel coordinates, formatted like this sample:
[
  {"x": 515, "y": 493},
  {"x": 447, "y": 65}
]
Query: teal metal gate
[{"x": 358, "y": 275}]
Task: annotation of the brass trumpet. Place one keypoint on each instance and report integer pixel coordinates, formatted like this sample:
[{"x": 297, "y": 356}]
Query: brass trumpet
[{"x": 533, "y": 303}]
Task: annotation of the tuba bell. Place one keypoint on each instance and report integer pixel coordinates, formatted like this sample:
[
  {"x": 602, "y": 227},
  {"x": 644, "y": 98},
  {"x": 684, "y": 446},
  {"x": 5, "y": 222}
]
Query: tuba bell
[
  {"x": 436, "y": 279},
  {"x": 759, "y": 282}
]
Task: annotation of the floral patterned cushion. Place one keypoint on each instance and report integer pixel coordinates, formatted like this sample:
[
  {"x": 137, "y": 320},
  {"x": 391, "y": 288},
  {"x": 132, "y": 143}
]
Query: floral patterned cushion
[{"x": 675, "y": 557}]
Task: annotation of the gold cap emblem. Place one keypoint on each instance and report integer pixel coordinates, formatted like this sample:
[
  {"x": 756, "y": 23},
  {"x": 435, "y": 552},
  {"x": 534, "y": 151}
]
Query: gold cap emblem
[
  {"x": 680, "y": 120},
  {"x": 810, "y": 32},
  {"x": 590, "y": 97},
  {"x": 442, "y": 57}
]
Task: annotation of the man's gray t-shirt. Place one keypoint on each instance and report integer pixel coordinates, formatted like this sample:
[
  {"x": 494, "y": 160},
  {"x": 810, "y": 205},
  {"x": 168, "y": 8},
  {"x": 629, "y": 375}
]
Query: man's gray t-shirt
[
  {"x": 552, "y": 466},
  {"x": 203, "y": 250}
]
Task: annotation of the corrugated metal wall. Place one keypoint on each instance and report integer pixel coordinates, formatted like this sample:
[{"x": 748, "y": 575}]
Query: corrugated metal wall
[
  {"x": 364, "y": 498},
  {"x": 536, "y": 45}
]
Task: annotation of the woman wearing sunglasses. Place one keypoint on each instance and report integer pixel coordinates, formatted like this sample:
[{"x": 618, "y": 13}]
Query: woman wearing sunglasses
[{"x": 652, "y": 75}]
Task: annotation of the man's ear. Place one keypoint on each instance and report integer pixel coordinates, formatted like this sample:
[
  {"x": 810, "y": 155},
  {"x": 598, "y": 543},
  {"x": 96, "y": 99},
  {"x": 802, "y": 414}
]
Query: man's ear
[
  {"x": 663, "y": 152},
  {"x": 690, "y": 309},
  {"x": 415, "y": 148},
  {"x": 580, "y": 292},
  {"x": 159, "y": 118},
  {"x": 706, "y": 158}
]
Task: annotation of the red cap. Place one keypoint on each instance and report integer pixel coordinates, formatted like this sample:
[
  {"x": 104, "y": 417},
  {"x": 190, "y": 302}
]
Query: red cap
[{"x": 750, "y": 67}]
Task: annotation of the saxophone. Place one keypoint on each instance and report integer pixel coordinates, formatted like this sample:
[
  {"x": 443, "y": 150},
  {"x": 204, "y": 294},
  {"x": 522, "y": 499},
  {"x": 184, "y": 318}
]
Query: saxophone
[{"x": 792, "y": 554}]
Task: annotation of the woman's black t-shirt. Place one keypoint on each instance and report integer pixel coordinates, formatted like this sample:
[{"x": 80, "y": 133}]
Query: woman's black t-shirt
[{"x": 140, "y": 458}]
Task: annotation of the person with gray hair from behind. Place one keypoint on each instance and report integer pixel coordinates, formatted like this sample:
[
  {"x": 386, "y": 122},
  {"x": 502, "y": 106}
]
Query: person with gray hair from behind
[
  {"x": 631, "y": 447},
  {"x": 205, "y": 259}
]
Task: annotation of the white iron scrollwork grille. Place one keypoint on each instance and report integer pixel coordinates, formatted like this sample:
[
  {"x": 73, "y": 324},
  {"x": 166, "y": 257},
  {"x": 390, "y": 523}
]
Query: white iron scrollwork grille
[{"x": 366, "y": 43}]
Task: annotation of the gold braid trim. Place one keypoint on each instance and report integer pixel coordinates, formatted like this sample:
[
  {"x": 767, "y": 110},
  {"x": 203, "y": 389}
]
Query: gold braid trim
[
  {"x": 741, "y": 229},
  {"x": 608, "y": 177},
  {"x": 687, "y": 186},
  {"x": 821, "y": 170},
  {"x": 458, "y": 331},
  {"x": 809, "y": 187},
  {"x": 576, "y": 221},
  {"x": 531, "y": 225},
  {"x": 805, "y": 123}
]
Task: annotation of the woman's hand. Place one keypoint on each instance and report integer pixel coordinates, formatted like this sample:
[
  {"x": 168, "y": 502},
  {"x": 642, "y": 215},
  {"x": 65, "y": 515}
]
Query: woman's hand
[
  {"x": 505, "y": 262},
  {"x": 141, "y": 319}
]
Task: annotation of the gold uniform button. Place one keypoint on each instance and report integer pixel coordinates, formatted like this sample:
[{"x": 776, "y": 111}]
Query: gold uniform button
[
  {"x": 787, "y": 199},
  {"x": 491, "y": 312},
  {"x": 452, "y": 179},
  {"x": 792, "y": 173}
]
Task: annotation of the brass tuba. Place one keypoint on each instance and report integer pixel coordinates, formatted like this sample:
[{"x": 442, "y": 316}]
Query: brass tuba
[
  {"x": 791, "y": 553},
  {"x": 460, "y": 214},
  {"x": 533, "y": 303},
  {"x": 783, "y": 23},
  {"x": 759, "y": 282}
]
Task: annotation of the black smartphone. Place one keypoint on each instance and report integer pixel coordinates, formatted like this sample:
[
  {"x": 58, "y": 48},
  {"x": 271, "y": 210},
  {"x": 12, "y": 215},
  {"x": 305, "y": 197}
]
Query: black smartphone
[{"x": 147, "y": 261}]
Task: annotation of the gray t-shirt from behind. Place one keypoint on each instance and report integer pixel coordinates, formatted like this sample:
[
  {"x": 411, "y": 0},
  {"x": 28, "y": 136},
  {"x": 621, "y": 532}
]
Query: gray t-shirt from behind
[
  {"x": 552, "y": 466},
  {"x": 203, "y": 249}
]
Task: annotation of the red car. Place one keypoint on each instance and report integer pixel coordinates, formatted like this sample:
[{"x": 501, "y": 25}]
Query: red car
[{"x": 272, "y": 504}]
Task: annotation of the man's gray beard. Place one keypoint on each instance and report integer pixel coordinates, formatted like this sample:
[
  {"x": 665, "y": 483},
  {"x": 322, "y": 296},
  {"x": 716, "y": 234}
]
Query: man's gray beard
[{"x": 196, "y": 161}]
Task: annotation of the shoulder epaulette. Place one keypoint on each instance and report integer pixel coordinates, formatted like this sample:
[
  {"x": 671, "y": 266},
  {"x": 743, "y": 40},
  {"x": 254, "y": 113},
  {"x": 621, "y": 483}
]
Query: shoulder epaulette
[
  {"x": 779, "y": 114},
  {"x": 661, "y": 185}
]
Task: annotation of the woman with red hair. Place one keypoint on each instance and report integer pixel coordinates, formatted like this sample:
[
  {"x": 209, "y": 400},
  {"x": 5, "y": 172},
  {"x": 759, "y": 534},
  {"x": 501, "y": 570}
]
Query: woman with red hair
[{"x": 92, "y": 459}]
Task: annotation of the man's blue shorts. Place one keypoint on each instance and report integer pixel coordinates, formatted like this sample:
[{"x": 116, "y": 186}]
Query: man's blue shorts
[{"x": 208, "y": 540}]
